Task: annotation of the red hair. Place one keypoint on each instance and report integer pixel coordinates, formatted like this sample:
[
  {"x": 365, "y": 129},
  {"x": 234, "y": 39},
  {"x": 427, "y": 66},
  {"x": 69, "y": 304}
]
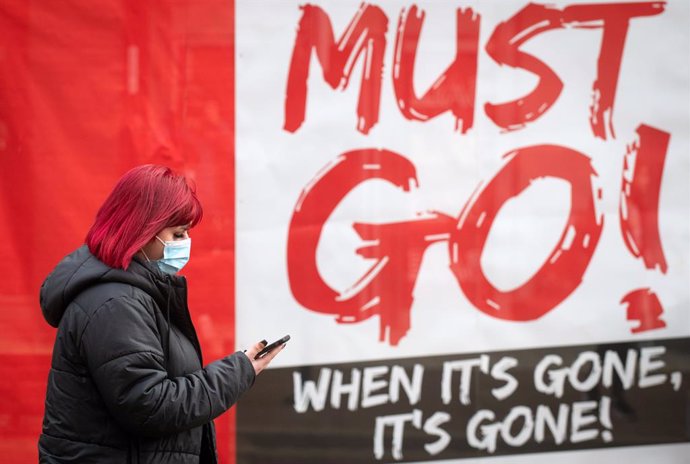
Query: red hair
[{"x": 145, "y": 200}]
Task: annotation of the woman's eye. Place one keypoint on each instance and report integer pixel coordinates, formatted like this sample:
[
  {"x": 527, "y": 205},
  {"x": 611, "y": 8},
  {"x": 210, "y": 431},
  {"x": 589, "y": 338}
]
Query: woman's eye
[{"x": 178, "y": 235}]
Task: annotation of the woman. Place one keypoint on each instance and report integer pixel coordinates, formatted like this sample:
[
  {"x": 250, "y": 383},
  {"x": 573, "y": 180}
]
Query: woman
[{"x": 126, "y": 383}]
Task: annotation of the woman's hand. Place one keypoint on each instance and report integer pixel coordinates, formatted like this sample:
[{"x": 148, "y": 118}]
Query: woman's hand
[{"x": 261, "y": 363}]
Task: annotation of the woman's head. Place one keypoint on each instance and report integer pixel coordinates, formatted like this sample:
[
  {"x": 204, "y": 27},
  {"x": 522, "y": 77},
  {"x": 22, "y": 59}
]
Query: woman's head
[{"x": 146, "y": 200}]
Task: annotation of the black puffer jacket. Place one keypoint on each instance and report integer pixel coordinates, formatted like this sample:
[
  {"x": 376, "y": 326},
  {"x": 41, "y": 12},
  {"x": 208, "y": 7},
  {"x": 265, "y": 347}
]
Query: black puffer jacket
[{"x": 126, "y": 383}]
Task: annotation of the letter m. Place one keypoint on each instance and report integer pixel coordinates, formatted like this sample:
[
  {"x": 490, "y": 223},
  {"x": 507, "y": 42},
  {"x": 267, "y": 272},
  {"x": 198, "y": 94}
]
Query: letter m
[{"x": 365, "y": 35}]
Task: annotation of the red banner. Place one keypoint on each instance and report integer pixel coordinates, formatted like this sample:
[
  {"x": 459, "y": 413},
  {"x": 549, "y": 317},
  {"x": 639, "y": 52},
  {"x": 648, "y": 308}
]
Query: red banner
[{"x": 87, "y": 91}]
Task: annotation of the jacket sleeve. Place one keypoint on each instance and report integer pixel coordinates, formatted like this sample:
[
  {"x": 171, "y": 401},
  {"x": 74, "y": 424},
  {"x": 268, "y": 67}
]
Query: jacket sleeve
[{"x": 122, "y": 346}]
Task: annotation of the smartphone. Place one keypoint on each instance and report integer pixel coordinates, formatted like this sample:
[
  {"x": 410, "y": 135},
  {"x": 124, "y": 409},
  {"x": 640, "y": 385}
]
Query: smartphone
[{"x": 268, "y": 348}]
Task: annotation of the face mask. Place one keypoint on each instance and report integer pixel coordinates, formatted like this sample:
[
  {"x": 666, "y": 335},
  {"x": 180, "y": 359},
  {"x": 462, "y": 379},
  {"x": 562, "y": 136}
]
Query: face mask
[{"x": 175, "y": 255}]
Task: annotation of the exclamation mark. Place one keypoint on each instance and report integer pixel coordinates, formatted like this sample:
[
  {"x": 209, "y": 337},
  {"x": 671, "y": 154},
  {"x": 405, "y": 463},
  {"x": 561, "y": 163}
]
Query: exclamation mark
[
  {"x": 605, "y": 418},
  {"x": 643, "y": 167}
]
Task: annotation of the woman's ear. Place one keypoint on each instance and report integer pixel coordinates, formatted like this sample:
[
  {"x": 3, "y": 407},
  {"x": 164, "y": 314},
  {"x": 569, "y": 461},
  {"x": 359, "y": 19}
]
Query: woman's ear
[{"x": 151, "y": 250}]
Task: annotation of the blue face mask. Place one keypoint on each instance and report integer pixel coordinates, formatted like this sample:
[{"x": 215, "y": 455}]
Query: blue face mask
[{"x": 175, "y": 255}]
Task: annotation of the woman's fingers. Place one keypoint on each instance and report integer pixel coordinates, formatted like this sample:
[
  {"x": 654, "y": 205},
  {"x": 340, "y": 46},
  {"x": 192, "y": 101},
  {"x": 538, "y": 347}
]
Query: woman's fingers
[
  {"x": 261, "y": 363},
  {"x": 254, "y": 350}
]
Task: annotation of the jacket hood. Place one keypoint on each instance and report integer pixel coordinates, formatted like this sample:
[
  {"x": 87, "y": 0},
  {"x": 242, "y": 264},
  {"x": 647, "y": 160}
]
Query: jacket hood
[{"x": 81, "y": 270}]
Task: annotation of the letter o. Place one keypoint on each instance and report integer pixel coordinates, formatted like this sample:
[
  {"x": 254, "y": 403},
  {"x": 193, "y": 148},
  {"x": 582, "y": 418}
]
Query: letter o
[{"x": 562, "y": 271}]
